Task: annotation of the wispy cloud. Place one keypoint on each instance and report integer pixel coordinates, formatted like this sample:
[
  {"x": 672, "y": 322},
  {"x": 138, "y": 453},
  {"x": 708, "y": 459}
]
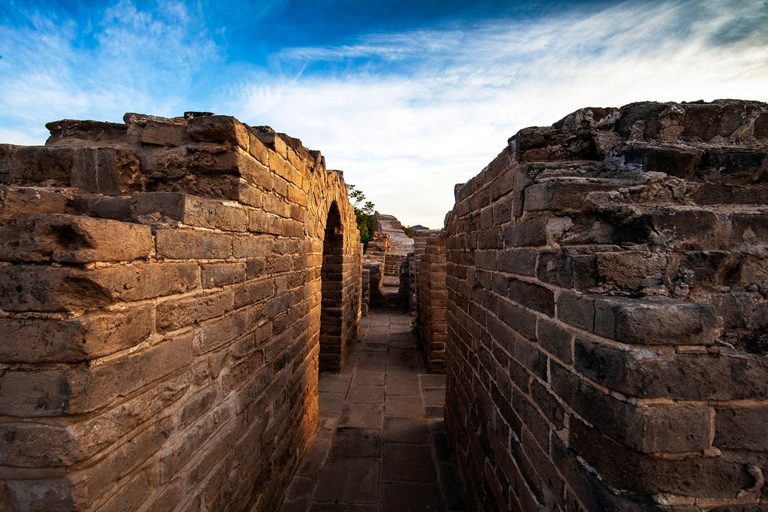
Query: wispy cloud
[
  {"x": 127, "y": 59},
  {"x": 407, "y": 114},
  {"x": 428, "y": 109}
]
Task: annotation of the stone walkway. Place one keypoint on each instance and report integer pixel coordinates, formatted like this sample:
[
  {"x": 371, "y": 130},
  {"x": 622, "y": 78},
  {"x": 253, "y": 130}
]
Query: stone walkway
[{"x": 381, "y": 445}]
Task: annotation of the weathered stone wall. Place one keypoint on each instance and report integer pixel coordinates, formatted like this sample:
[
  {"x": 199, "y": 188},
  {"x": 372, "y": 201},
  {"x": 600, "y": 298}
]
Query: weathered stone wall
[
  {"x": 432, "y": 294},
  {"x": 419, "y": 248},
  {"x": 607, "y": 313},
  {"x": 161, "y": 300}
]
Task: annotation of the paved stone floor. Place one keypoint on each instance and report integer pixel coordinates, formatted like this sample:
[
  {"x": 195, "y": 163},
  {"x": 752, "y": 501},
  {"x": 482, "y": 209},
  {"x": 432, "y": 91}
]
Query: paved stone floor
[{"x": 381, "y": 445}]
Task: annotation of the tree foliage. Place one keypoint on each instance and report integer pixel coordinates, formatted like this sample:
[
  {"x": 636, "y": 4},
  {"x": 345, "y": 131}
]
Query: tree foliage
[{"x": 363, "y": 213}]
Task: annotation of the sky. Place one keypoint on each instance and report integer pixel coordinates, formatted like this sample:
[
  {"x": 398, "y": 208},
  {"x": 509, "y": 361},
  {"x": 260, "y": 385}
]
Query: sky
[{"x": 407, "y": 97}]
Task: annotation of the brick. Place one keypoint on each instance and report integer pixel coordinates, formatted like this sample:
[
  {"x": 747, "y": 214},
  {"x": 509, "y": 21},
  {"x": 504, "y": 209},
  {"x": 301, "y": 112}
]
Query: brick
[
  {"x": 115, "y": 208},
  {"x": 35, "y": 164},
  {"x": 679, "y": 428},
  {"x": 192, "y": 243},
  {"x": 518, "y": 261},
  {"x": 518, "y": 318},
  {"x": 555, "y": 340},
  {"x": 222, "y": 330},
  {"x": 37, "y": 340},
  {"x": 576, "y": 309},
  {"x": 44, "y": 445},
  {"x": 741, "y": 428},
  {"x": 655, "y": 323},
  {"x": 164, "y": 134},
  {"x": 619, "y": 467},
  {"x": 530, "y": 233},
  {"x": 220, "y": 129},
  {"x": 176, "y": 313},
  {"x": 107, "y": 171},
  {"x": 36, "y": 288},
  {"x": 194, "y": 439},
  {"x": 71, "y": 239},
  {"x": 222, "y": 274},
  {"x": 55, "y": 392},
  {"x": 36, "y": 200},
  {"x": 532, "y": 296},
  {"x": 561, "y": 195},
  {"x": 655, "y": 374}
]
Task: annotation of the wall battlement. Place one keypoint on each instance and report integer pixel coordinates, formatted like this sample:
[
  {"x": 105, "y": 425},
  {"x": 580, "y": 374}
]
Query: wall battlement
[
  {"x": 608, "y": 313},
  {"x": 169, "y": 289}
]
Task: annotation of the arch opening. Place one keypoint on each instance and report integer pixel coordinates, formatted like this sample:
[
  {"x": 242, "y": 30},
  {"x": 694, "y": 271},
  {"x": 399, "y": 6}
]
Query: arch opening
[{"x": 332, "y": 288}]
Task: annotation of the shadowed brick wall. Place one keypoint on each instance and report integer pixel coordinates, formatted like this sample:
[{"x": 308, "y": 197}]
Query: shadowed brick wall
[
  {"x": 607, "y": 313},
  {"x": 432, "y": 302},
  {"x": 161, "y": 286}
]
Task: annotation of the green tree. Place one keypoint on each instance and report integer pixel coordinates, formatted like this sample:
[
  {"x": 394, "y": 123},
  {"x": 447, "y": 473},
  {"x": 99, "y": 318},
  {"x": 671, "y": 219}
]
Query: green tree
[{"x": 363, "y": 214}]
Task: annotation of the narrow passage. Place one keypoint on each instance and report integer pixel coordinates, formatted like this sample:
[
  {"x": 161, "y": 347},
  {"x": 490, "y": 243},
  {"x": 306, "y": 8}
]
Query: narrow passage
[{"x": 381, "y": 444}]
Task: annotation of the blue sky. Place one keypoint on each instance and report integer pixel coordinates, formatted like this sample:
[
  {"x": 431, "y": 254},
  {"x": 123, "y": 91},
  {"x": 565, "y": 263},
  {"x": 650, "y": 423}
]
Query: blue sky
[{"x": 406, "y": 97}]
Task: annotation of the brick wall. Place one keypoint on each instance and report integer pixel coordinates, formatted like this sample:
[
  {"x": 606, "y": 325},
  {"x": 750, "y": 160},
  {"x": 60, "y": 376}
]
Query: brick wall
[
  {"x": 161, "y": 288},
  {"x": 607, "y": 313},
  {"x": 432, "y": 302}
]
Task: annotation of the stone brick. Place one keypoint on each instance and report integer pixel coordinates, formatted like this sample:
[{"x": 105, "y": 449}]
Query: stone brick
[
  {"x": 44, "y": 445},
  {"x": 107, "y": 171},
  {"x": 741, "y": 428},
  {"x": 37, "y": 288},
  {"x": 221, "y": 129},
  {"x": 34, "y": 340},
  {"x": 36, "y": 165},
  {"x": 655, "y": 374},
  {"x": 555, "y": 340},
  {"x": 115, "y": 208},
  {"x": 71, "y": 239},
  {"x": 642, "y": 428},
  {"x": 36, "y": 200},
  {"x": 175, "y": 313},
  {"x": 221, "y": 274},
  {"x": 53, "y": 392},
  {"x": 533, "y": 296},
  {"x": 714, "y": 477},
  {"x": 655, "y": 323},
  {"x": 192, "y": 243},
  {"x": 164, "y": 134}
]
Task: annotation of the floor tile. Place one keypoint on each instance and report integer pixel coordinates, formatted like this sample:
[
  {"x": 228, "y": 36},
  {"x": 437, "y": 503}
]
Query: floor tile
[
  {"x": 333, "y": 383},
  {"x": 405, "y": 430},
  {"x": 314, "y": 457},
  {"x": 361, "y": 415},
  {"x": 411, "y": 497},
  {"x": 368, "y": 379},
  {"x": 349, "y": 481},
  {"x": 411, "y": 406},
  {"x": 434, "y": 396},
  {"x": 353, "y": 442},
  {"x": 381, "y": 444},
  {"x": 403, "y": 388},
  {"x": 365, "y": 395},
  {"x": 409, "y": 462},
  {"x": 330, "y": 404}
]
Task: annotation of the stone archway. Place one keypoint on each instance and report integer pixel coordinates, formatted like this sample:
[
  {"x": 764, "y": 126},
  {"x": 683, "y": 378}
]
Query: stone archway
[{"x": 332, "y": 307}]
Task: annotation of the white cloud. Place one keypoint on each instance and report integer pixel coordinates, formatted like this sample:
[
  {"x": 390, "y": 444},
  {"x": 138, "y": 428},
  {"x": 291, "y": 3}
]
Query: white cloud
[
  {"x": 406, "y": 137},
  {"x": 405, "y": 115},
  {"x": 129, "y": 60}
]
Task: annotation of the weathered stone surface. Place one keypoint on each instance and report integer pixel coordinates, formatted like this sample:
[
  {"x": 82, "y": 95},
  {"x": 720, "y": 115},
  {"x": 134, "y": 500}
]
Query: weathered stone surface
[
  {"x": 34, "y": 340},
  {"x": 72, "y": 239},
  {"x": 601, "y": 352},
  {"x": 37, "y": 288},
  {"x": 160, "y": 294}
]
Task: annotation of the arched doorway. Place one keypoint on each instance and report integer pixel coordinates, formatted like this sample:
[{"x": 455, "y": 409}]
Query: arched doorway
[{"x": 331, "y": 310}]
